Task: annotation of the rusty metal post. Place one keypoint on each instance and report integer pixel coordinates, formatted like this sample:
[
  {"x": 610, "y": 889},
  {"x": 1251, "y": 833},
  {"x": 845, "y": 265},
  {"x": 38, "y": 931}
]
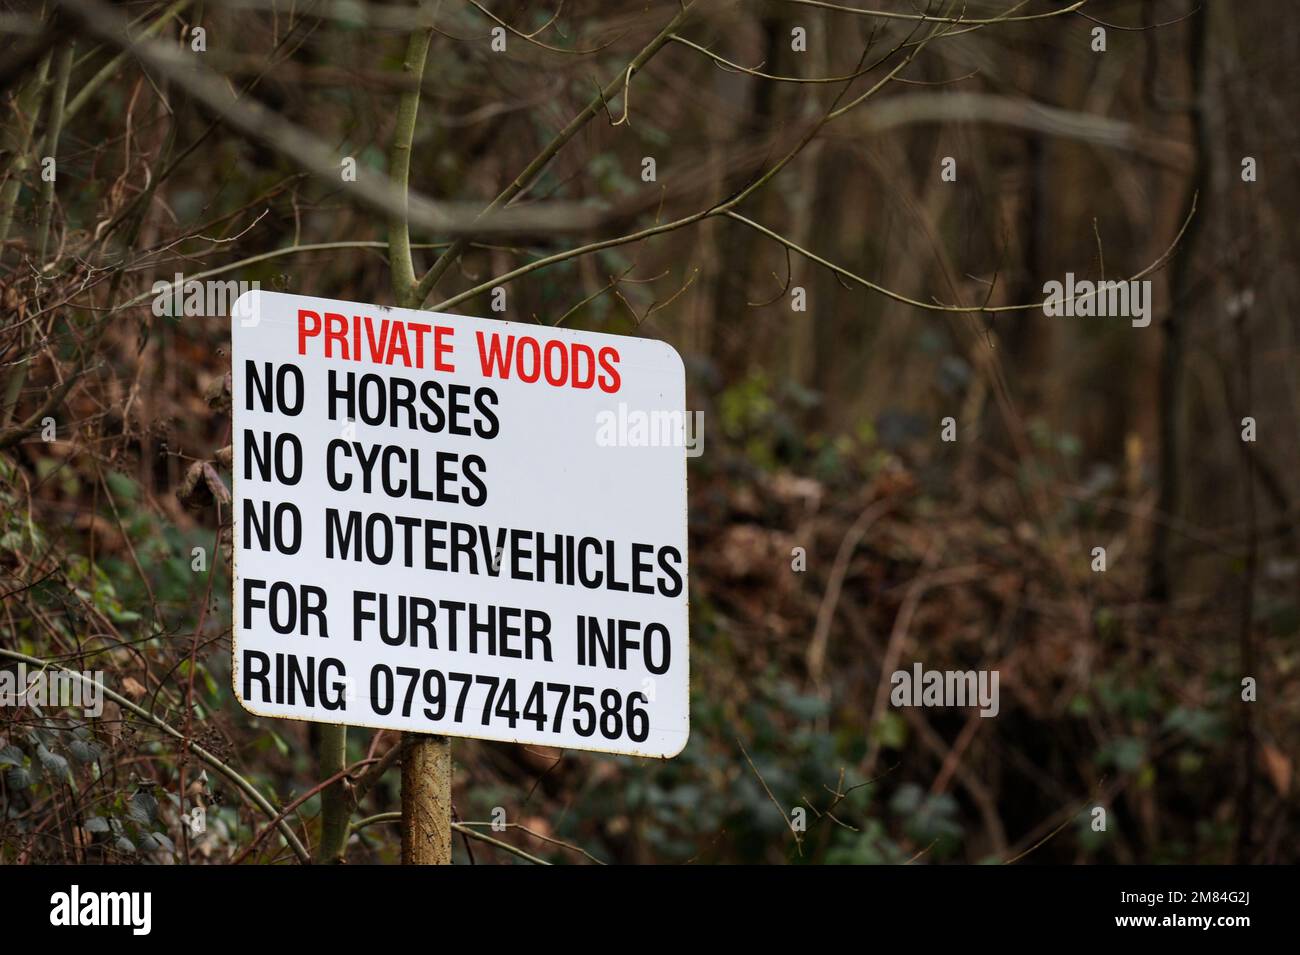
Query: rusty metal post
[{"x": 426, "y": 799}]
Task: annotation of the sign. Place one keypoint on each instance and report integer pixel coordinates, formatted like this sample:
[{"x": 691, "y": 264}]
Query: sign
[{"x": 445, "y": 525}]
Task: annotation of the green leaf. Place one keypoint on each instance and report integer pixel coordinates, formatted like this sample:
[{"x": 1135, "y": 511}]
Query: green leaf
[
  {"x": 1200, "y": 726},
  {"x": 280, "y": 744},
  {"x": 805, "y": 707},
  {"x": 154, "y": 841},
  {"x": 54, "y": 764},
  {"x": 82, "y": 751},
  {"x": 97, "y": 824},
  {"x": 121, "y": 485},
  {"x": 143, "y": 808},
  {"x": 891, "y": 731},
  {"x": 19, "y": 777},
  {"x": 1126, "y": 753}
]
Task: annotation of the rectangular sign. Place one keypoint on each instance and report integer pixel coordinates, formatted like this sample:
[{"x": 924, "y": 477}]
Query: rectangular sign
[{"x": 457, "y": 525}]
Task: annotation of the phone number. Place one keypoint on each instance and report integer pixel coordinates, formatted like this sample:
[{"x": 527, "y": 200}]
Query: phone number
[{"x": 609, "y": 713}]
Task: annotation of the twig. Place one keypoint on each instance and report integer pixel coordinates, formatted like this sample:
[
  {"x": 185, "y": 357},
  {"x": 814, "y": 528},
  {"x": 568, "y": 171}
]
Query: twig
[{"x": 798, "y": 837}]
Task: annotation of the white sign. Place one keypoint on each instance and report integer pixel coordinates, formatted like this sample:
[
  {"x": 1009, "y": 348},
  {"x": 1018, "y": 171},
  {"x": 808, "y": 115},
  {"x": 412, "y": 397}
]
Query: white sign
[{"x": 446, "y": 525}]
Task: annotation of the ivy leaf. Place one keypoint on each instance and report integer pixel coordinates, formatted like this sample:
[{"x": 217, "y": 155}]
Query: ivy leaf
[
  {"x": 143, "y": 808},
  {"x": 82, "y": 751},
  {"x": 154, "y": 841},
  {"x": 19, "y": 777},
  {"x": 55, "y": 765}
]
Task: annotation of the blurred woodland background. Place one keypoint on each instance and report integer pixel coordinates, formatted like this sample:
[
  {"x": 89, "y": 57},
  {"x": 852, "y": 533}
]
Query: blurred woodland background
[{"x": 798, "y": 152}]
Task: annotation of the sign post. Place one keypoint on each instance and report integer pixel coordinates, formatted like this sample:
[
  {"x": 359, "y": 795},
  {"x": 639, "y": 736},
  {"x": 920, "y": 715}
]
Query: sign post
[
  {"x": 451, "y": 526},
  {"x": 426, "y": 800}
]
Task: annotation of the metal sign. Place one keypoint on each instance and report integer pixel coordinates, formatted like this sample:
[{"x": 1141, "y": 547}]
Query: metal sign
[{"x": 460, "y": 526}]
